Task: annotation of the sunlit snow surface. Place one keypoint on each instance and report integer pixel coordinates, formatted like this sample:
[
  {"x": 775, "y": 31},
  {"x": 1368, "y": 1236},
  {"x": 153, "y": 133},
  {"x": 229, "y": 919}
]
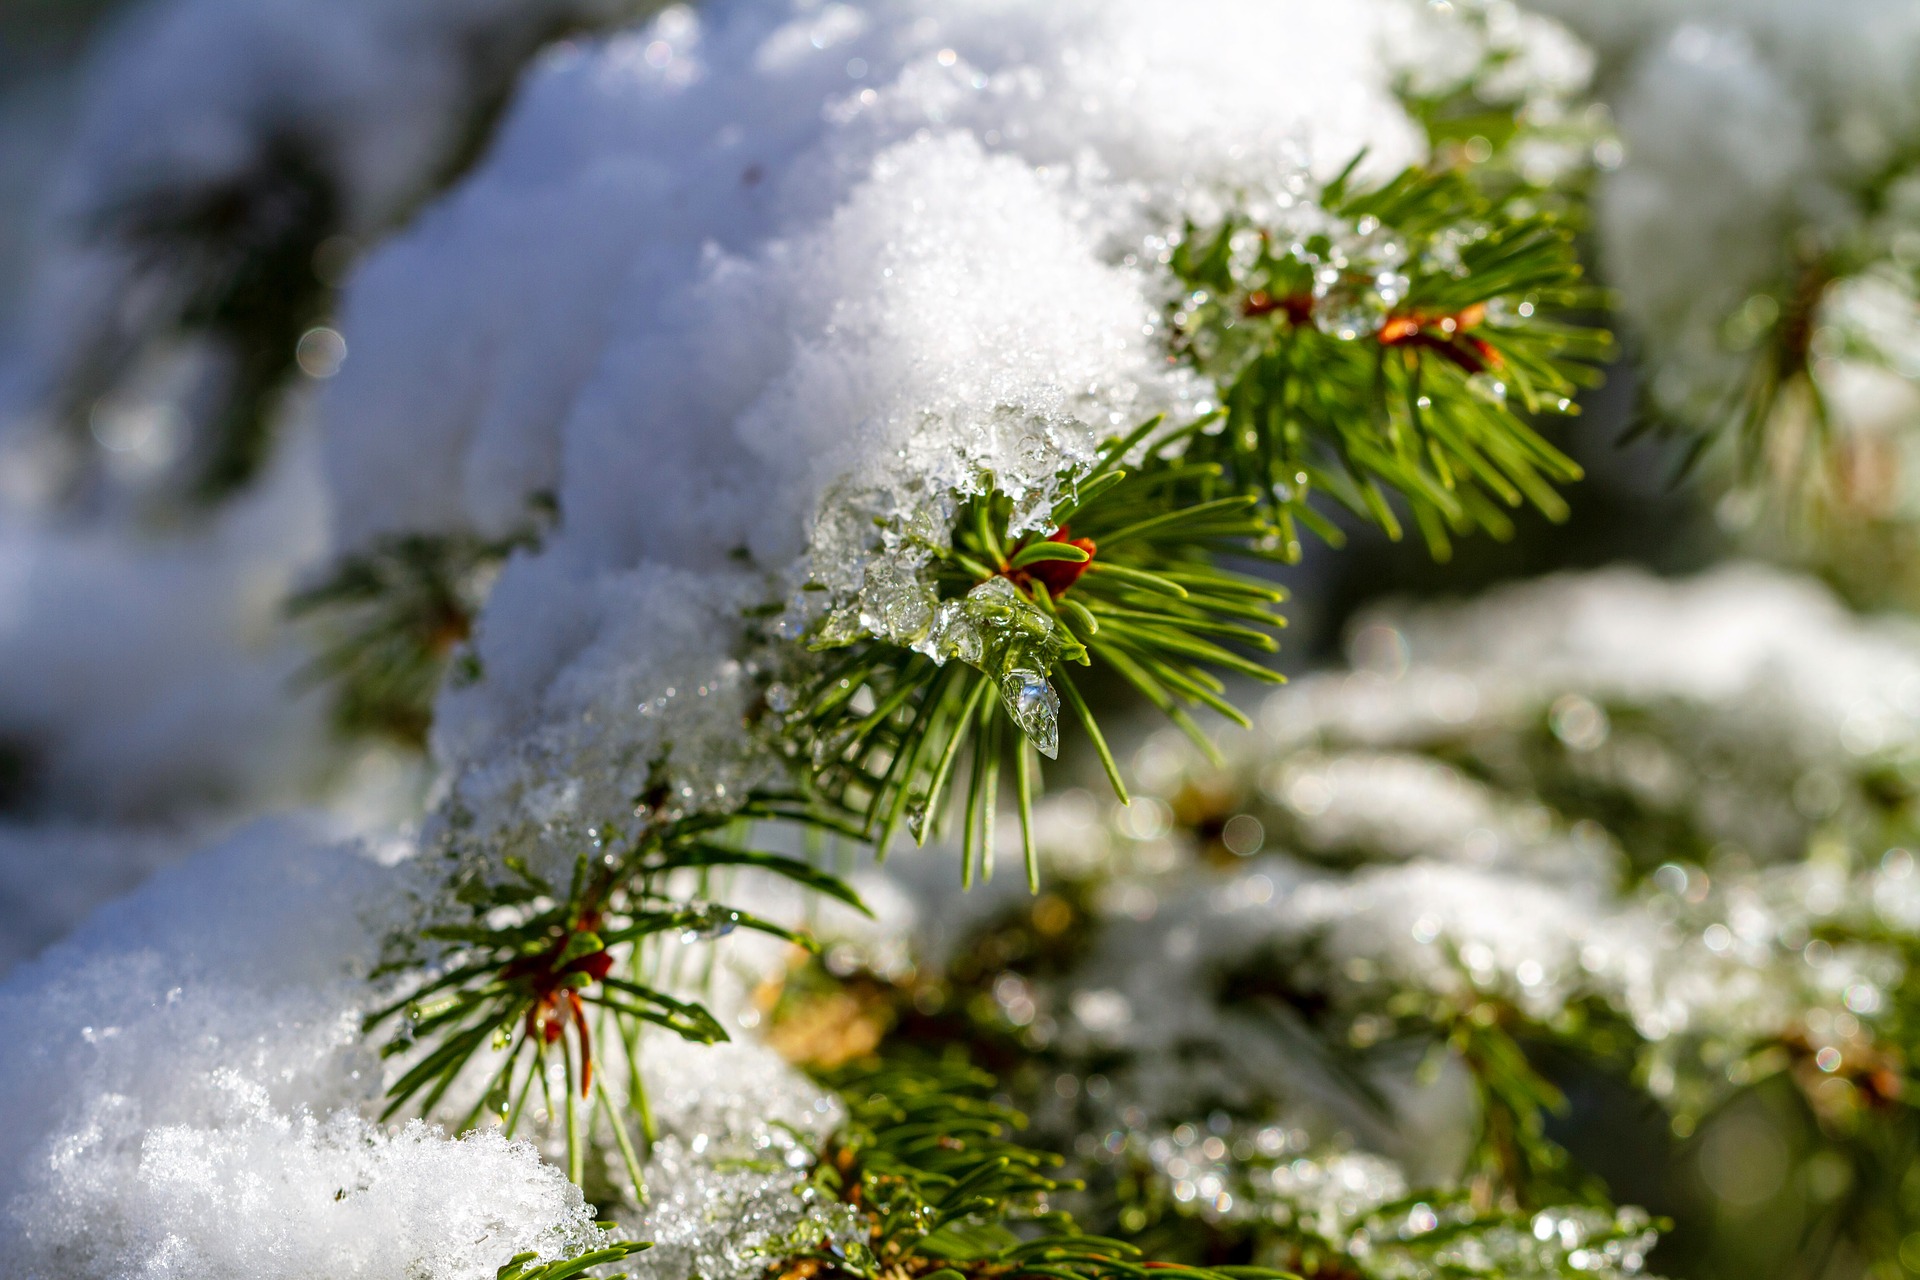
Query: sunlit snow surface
[{"x": 735, "y": 286}]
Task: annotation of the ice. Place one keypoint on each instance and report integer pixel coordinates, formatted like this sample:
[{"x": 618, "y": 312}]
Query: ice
[{"x": 1034, "y": 706}]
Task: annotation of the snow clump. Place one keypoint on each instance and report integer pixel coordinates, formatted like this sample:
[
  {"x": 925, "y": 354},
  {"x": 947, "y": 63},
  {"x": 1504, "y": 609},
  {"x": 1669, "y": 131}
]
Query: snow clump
[
  {"x": 755, "y": 294},
  {"x": 191, "y": 1099}
]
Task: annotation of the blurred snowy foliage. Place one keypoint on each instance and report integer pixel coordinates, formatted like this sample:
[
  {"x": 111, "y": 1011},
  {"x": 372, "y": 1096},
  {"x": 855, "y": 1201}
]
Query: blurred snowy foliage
[
  {"x": 191, "y": 243},
  {"x": 1641, "y": 823},
  {"x": 1758, "y": 218}
]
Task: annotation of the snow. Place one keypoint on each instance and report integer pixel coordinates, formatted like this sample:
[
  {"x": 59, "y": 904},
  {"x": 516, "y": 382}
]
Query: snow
[
  {"x": 96, "y": 863},
  {"x": 641, "y": 185},
  {"x": 189, "y": 1101},
  {"x": 756, "y": 294},
  {"x": 150, "y": 673},
  {"x": 153, "y": 700},
  {"x": 726, "y": 1180},
  {"x": 1773, "y": 662}
]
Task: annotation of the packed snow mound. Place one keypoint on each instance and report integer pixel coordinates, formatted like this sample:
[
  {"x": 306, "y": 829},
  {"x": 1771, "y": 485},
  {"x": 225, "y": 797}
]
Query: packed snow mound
[
  {"x": 739, "y": 237},
  {"x": 191, "y": 1100},
  {"x": 266, "y": 1195},
  {"x": 754, "y": 295}
]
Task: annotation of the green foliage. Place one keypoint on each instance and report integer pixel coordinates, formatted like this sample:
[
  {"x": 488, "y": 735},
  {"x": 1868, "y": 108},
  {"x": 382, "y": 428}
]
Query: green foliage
[
  {"x": 1509, "y": 141},
  {"x": 1435, "y": 1233},
  {"x": 927, "y": 1158},
  {"x": 522, "y": 1265},
  {"x": 1127, "y": 579},
  {"x": 532, "y": 969},
  {"x": 391, "y": 619},
  {"x": 1391, "y": 350}
]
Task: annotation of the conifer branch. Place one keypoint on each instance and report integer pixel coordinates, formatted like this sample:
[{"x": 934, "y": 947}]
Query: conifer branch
[
  {"x": 532, "y": 969},
  {"x": 928, "y": 1161},
  {"x": 1127, "y": 580},
  {"x": 522, "y": 1265},
  {"x": 390, "y": 621},
  {"x": 1391, "y": 351}
]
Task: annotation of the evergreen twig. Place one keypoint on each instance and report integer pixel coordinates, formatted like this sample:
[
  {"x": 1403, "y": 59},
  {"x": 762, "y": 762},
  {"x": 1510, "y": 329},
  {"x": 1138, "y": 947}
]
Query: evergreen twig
[
  {"x": 1126, "y": 580},
  {"x": 522, "y": 1266},
  {"x": 390, "y": 621},
  {"x": 519, "y": 976},
  {"x": 1391, "y": 351},
  {"x": 927, "y": 1158}
]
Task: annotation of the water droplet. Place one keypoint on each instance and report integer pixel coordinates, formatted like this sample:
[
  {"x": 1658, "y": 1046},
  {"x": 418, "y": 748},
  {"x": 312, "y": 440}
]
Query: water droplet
[
  {"x": 1034, "y": 706},
  {"x": 705, "y": 923}
]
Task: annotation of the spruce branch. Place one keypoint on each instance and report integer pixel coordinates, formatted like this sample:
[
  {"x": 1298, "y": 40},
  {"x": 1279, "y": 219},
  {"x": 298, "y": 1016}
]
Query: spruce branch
[
  {"x": 532, "y": 970},
  {"x": 1396, "y": 349},
  {"x": 391, "y": 620},
  {"x": 1773, "y": 412},
  {"x": 525, "y": 1266},
  {"x": 928, "y": 1161},
  {"x": 1126, "y": 579}
]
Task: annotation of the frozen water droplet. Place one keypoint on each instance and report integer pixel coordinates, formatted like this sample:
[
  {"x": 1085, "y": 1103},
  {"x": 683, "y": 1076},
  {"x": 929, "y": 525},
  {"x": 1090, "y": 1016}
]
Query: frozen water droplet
[
  {"x": 1349, "y": 311},
  {"x": 1034, "y": 706},
  {"x": 832, "y": 747},
  {"x": 954, "y": 634},
  {"x": 705, "y": 923},
  {"x": 780, "y": 697},
  {"x": 842, "y": 626}
]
